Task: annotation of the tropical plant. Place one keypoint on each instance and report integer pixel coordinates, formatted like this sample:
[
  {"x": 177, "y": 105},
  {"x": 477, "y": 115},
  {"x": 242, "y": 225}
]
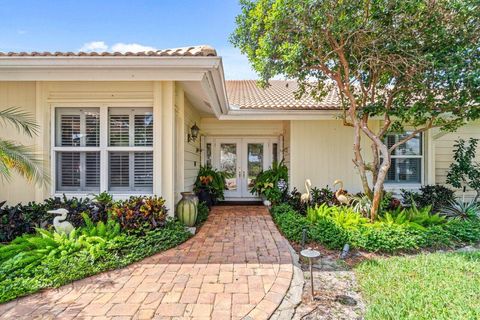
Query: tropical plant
[
  {"x": 314, "y": 213},
  {"x": 318, "y": 196},
  {"x": 20, "y": 219},
  {"x": 411, "y": 217},
  {"x": 272, "y": 183},
  {"x": 211, "y": 180},
  {"x": 109, "y": 230},
  {"x": 361, "y": 204},
  {"x": 140, "y": 214},
  {"x": 461, "y": 210},
  {"x": 423, "y": 216},
  {"x": 435, "y": 196},
  {"x": 344, "y": 216},
  {"x": 465, "y": 170},
  {"x": 323, "y": 195},
  {"x": 17, "y": 157},
  {"x": 409, "y": 63},
  {"x": 75, "y": 206}
]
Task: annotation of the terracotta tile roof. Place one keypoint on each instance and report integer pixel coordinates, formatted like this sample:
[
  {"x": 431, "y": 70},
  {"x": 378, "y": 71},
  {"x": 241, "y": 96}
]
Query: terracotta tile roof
[
  {"x": 195, "y": 51},
  {"x": 247, "y": 95}
]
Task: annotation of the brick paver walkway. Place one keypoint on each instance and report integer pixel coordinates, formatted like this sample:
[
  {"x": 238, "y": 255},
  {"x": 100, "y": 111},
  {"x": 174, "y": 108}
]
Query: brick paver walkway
[{"x": 237, "y": 266}]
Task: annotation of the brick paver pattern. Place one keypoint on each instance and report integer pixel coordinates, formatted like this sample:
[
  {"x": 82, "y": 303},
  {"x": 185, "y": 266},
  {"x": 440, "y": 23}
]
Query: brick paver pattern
[{"x": 237, "y": 266}]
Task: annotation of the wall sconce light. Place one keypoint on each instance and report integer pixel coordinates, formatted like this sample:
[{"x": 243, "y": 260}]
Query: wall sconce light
[{"x": 194, "y": 130}]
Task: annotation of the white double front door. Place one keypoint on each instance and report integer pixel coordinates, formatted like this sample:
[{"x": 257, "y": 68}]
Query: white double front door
[{"x": 242, "y": 159}]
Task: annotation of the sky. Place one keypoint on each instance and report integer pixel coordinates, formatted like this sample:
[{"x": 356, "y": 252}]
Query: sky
[{"x": 121, "y": 25}]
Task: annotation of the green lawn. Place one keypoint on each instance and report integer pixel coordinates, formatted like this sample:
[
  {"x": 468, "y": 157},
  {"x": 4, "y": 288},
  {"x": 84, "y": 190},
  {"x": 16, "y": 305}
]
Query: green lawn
[{"x": 426, "y": 286}]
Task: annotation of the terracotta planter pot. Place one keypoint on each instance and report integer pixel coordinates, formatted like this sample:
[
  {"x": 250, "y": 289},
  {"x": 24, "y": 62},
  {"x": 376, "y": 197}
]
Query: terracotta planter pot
[{"x": 187, "y": 209}]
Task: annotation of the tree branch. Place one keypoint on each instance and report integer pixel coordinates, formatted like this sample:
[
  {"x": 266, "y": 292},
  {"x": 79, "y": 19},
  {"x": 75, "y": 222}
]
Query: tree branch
[{"x": 411, "y": 136}]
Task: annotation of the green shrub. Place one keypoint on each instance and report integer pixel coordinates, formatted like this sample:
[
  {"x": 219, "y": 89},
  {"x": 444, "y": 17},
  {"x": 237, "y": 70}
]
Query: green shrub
[
  {"x": 386, "y": 238},
  {"x": 28, "y": 250},
  {"x": 400, "y": 230},
  {"x": 57, "y": 270},
  {"x": 21, "y": 219},
  {"x": 289, "y": 222},
  {"x": 328, "y": 233},
  {"x": 203, "y": 212},
  {"x": 344, "y": 217},
  {"x": 436, "y": 196},
  {"x": 317, "y": 197},
  {"x": 466, "y": 231}
]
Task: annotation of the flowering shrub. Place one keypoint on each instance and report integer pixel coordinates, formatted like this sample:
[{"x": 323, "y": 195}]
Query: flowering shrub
[{"x": 139, "y": 214}]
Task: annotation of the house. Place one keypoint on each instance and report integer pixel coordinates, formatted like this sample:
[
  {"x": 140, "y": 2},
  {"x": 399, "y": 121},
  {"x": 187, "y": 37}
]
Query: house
[{"x": 122, "y": 122}]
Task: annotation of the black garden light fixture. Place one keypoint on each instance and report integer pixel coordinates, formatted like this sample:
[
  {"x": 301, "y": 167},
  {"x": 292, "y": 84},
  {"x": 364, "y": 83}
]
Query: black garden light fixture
[{"x": 194, "y": 131}]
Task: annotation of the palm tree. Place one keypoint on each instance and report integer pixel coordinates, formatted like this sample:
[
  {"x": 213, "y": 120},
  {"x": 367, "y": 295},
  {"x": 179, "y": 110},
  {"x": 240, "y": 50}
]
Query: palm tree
[{"x": 15, "y": 156}]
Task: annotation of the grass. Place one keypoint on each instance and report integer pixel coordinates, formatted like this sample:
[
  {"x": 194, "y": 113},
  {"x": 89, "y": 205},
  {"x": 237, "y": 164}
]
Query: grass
[{"x": 425, "y": 286}]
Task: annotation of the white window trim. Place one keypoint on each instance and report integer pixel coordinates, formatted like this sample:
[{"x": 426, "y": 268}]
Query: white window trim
[
  {"x": 395, "y": 186},
  {"x": 103, "y": 147}
]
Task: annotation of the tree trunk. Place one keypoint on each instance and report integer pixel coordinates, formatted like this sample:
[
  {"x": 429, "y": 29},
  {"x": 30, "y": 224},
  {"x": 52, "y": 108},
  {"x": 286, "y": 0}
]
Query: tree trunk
[
  {"x": 375, "y": 163},
  {"x": 359, "y": 163},
  {"x": 378, "y": 187}
]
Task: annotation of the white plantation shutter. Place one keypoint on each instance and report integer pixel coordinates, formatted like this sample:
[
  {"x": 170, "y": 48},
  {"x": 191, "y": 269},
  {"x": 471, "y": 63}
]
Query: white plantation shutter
[
  {"x": 143, "y": 130},
  {"x": 77, "y": 129},
  {"x": 119, "y": 130},
  {"x": 92, "y": 129},
  {"x": 131, "y": 170},
  {"x": 129, "y": 149},
  {"x": 70, "y": 130},
  {"x": 143, "y": 173},
  {"x": 68, "y": 170},
  {"x": 119, "y": 172},
  {"x": 92, "y": 169}
]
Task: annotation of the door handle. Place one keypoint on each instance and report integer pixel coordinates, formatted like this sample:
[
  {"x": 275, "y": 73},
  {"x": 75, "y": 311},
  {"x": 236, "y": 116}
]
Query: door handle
[{"x": 244, "y": 174}]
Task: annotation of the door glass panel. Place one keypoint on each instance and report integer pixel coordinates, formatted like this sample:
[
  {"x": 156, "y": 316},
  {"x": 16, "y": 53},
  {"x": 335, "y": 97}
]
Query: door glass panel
[
  {"x": 275, "y": 152},
  {"x": 228, "y": 163},
  {"x": 209, "y": 155},
  {"x": 254, "y": 162}
]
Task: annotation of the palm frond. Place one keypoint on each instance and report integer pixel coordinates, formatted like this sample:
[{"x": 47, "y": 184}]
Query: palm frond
[
  {"x": 21, "y": 159},
  {"x": 21, "y": 120}
]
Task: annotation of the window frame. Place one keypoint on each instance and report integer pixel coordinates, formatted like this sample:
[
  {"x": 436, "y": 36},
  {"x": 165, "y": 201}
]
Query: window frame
[
  {"x": 103, "y": 148},
  {"x": 410, "y": 185}
]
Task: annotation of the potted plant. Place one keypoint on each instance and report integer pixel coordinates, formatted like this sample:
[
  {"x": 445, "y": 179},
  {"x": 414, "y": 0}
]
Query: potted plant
[
  {"x": 271, "y": 184},
  {"x": 210, "y": 185}
]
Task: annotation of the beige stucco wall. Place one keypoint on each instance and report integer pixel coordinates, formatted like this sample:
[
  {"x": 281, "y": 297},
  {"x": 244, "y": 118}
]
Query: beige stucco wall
[
  {"x": 21, "y": 95},
  {"x": 39, "y": 98},
  {"x": 443, "y": 150},
  {"x": 215, "y": 127},
  {"x": 322, "y": 151}
]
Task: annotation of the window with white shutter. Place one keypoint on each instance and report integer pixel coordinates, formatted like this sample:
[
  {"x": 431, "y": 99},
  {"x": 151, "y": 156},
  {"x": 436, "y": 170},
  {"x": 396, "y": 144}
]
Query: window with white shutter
[
  {"x": 407, "y": 160},
  {"x": 77, "y": 140},
  {"x": 131, "y": 168},
  {"x": 128, "y": 148}
]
